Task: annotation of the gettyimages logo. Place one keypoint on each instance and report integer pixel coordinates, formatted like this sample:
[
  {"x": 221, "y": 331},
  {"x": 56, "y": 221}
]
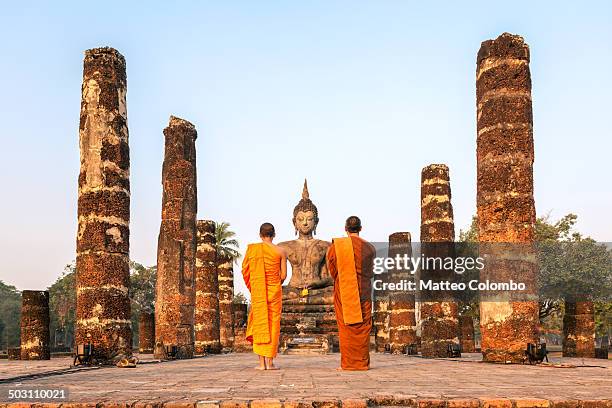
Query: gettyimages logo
[{"x": 469, "y": 271}]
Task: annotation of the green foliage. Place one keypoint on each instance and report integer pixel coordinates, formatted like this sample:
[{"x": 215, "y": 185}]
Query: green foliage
[
  {"x": 227, "y": 245},
  {"x": 142, "y": 293},
  {"x": 569, "y": 265},
  {"x": 10, "y": 314},
  {"x": 62, "y": 305},
  {"x": 603, "y": 318},
  {"x": 468, "y": 247}
]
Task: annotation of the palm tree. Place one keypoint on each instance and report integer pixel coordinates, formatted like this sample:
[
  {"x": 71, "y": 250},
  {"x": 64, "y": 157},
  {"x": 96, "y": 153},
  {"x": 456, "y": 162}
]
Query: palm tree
[{"x": 227, "y": 245}]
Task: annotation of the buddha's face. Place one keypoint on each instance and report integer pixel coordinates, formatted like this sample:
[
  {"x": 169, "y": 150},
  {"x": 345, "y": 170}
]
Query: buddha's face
[{"x": 305, "y": 222}]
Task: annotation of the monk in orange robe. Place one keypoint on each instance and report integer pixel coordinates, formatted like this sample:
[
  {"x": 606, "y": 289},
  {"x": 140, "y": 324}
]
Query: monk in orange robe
[
  {"x": 264, "y": 269},
  {"x": 350, "y": 261}
]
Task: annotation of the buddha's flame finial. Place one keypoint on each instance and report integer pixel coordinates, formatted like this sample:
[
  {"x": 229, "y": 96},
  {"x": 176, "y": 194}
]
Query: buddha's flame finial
[{"x": 305, "y": 195}]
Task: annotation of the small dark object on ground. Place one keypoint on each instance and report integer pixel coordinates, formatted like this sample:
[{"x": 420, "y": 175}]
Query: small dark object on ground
[
  {"x": 536, "y": 353},
  {"x": 84, "y": 355},
  {"x": 453, "y": 350}
]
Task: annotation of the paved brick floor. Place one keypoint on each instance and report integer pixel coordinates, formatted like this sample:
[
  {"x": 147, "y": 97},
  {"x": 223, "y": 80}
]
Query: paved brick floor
[{"x": 232, "y": 377}]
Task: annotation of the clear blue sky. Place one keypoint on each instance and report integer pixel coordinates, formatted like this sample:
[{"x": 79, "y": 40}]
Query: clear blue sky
[{"x": 357, "y": 96}]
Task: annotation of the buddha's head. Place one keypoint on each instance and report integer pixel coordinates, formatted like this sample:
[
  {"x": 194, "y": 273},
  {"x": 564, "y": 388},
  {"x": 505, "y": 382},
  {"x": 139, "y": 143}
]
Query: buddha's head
[{"x": 305, "y": 215}]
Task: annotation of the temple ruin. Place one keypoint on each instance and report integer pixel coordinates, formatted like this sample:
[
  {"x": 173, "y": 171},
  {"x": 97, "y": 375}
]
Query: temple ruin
[
  {"x": 35, "y": 335},
  {"x": 505, "y": 205},
  {"x": 466, "y": 334},
  {"x": 103, "y": 237},
  {"x": 207, "y": 332},
  {"x": 578, "y": 329},
  {"x": 225, "y": 274},
  {"x": 439, "y": 314},
  {"x": 176, "y": 248},
  {"x": 402, "y": 322},
  {"x": 146, "y": 332}
]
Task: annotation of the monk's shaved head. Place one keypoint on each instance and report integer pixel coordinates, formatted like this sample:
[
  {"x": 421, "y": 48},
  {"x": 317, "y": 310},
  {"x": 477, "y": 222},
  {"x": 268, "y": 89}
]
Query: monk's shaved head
[
  {"x": 267, "y": 230},
  {"x": 353, "y": 224}
]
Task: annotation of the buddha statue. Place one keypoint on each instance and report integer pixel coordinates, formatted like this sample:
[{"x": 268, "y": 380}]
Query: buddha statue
[
  {"x": 308, "y": 321},
  {"x": 306, "y": 254}
]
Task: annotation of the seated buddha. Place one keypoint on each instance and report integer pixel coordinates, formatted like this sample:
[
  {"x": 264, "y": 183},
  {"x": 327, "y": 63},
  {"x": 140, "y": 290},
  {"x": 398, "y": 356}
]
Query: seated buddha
[
  {"x": 308, "y": 299},
  {"x": 310, "y": 281}
]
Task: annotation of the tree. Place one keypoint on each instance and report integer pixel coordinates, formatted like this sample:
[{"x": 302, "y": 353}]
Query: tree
[
  {"x": 569, "y": 265},
  {"x": 227, "y": 245},
  {"x": 142, "y": 293},
  {"x": 10, "y": 315},
  {"x": 62, "y": 305}
]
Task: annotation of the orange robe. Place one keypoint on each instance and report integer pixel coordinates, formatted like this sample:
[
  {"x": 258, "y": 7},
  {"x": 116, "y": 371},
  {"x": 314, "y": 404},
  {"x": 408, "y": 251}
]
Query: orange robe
[
  {"x": 261, "y": 272},
  {"x": 352, "y": 298}
]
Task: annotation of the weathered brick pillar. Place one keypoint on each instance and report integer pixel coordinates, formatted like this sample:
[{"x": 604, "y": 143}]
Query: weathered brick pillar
[
  {"x": 103, "y": 238},
  {"x": 176, "y": 248},
  {"x": 240, "y": 314},
  {"x": 506, "y": 210},
  {"x": 439, "y": 313},
  {"x": 402, "y": 323},
  {"x": 466, "y": 325},
  {"x": 225, "y": 273},
  {"x": 207, "y": 338},
  {"x": 35, "y": 335},
  {"x": 578, "y": 330},
  {"x": 381, "y": 321},
  {"x": 380, "y": 314},
  {"x": 146, "y": 332}
]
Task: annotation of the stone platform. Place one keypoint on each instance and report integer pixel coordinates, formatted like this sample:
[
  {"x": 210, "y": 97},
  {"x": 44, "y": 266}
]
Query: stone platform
[{"x": 230, "y": 381}]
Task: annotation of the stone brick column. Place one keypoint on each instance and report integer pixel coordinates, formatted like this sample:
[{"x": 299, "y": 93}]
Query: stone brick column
[
  {"x": 380, "y": 314},
  {"x": 439, "y": 313},
  {"x": 240, "y": 314},
  {"x": 35, "y": 335},
  {"x": 466, "y": 325},
  {"x": 176, "y": 248},
  {"x": 402, "y": 323},
  {"x": 380, "y": 319},
  {"x": 207, "y": 338},
  {"x": 505, "y": 205},
  {"x": 578, "y": 330},
  {"x": 146, "y": 332},
  {"x": 225, "y": 273},
  {"x": 103, "y": 237}
]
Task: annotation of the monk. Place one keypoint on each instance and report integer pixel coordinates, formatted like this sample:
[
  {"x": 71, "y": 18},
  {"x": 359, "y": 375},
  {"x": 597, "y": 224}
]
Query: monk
[
  {"x": 264, "y": 269},
  {"x": 350, "y": 262}
]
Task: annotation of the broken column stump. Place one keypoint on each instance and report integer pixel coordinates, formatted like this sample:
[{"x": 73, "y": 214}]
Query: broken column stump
[
  {"x": 380, "y": 319},
  {"x": 207, "y": 335},
  {"x": 241, "y": 313},
  {"x": 176, "y": 248},
  {"x": 35, "y": 336},
  {"x": 380, "y": 315},
  {"x": 103, "y": 237},
  {"x": 146, "y": 332},
  {"x": 505, "y": 205},
  {"x": 439, "y": 311},
  {"x": 578, "y": 329},
  {"x": 225, "y": 274},
  {"x": 402, "y": 322},
  {"x": 466, "y": 325}
]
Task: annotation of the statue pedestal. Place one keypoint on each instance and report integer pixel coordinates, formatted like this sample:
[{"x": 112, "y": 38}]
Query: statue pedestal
[
  {"x": 308, "y": 324},
  {"x": 306, "y": 341}
]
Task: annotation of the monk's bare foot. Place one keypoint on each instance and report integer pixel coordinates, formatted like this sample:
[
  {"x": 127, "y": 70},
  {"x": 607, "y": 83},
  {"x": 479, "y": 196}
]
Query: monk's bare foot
[
  {"x": 273, "y": 367},
  {"x": 260, "y": 368},
  {"x": 339, "y": 369}
]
